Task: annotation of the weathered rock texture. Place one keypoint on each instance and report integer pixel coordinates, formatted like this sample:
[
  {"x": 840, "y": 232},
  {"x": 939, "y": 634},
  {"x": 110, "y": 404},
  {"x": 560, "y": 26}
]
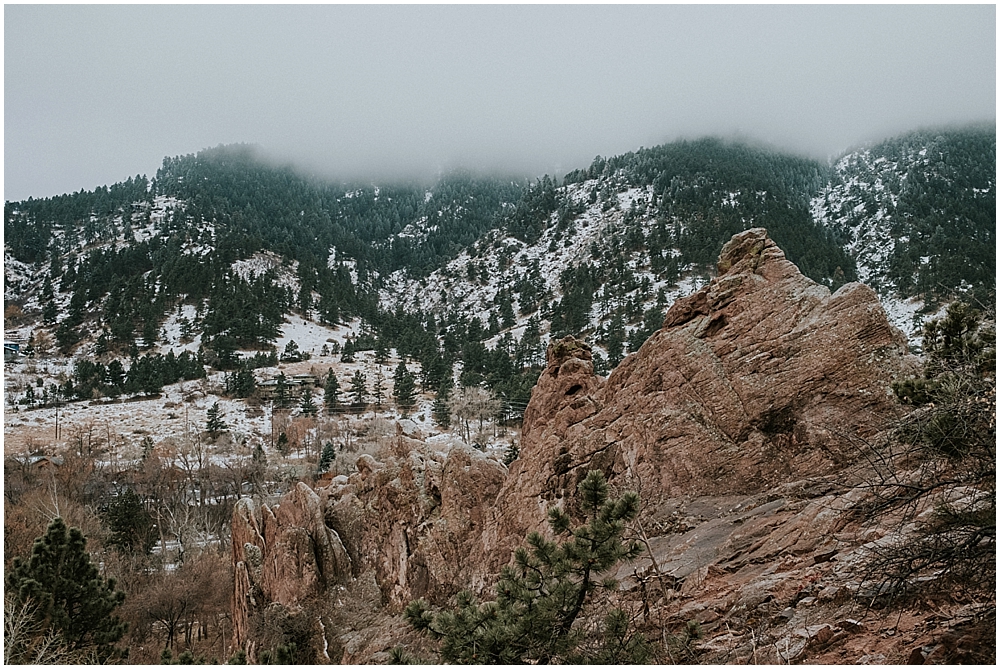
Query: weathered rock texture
[
  {"x": 282, "y": 555},
  {"x": 758, "y": 378},
  {"x": 416, "y": 518},
  {"x": 736, "y": 423}
]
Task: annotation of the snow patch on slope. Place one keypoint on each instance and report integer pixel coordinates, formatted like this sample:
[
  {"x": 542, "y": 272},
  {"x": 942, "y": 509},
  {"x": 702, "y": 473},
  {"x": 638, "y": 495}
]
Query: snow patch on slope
[
  {"x": 263, "y": 262},
  {"x": 451, "y": 289}
]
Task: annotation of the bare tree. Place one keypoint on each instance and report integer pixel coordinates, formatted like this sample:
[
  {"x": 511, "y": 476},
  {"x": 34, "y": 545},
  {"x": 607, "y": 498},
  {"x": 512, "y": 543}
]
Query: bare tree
[{"x": 472, "y": 403}]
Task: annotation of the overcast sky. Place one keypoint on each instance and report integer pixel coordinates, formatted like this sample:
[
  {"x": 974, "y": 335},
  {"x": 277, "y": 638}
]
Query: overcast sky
[{"x": 95, "y": 94}]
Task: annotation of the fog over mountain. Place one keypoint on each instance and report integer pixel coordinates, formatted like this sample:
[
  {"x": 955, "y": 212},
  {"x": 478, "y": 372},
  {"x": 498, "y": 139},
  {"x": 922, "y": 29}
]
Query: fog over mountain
[{"x": 94, "y": 94}]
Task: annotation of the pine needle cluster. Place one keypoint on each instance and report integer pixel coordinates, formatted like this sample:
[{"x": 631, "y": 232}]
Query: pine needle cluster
[
  {"x": 66, "y": 597},
  {"x": 545, "y": 591}
]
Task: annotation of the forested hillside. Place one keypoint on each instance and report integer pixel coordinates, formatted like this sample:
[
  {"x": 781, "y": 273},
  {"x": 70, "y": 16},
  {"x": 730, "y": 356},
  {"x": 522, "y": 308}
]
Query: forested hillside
[
  {"x": 918, "y": 213},
  {"x": 705, "y": 191},
  {"x": 475, "y": 269},
  {"x": 231, "y": 328}
]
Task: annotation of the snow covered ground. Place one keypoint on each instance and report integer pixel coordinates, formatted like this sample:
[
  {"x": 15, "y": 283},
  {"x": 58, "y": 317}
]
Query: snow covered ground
[
  {"x": 179, "y": 414},
  {"x": 449, "y": 289}
]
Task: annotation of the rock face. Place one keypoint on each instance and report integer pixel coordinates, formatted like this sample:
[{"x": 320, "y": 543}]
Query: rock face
[
  {"x": 734, "y": 422},
  {"x": 282, "y": 555},
  {"x": 416, "y": 518},
  {"x": 759, "y": 378}
]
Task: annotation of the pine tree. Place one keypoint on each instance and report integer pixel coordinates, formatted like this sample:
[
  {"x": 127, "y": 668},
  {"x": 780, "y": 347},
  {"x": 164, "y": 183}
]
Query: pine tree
[
  {"x": 358, "y": 389},
  {"x": 507, "y": 318},
  {"x": 404, "y": 390},
  {"x": 67, "y": 592},
  {"x": 215, "y": 424},
  {"x": 347, "y": 353},
  {"x": 327, "y": 457},
  {"x": 292, "y": 352},
  {"x": 440, "y": 410},
  {"x": 281, "y": 391},
  {"x": 307, "y": 405},
  {"x": 544, "y": 593},
  {"x": 378, "y": 388},
  {"x": 529, "y": 350},
  {"x": 616, "y": 340},
  {"x": 331, "y": 390},
  {"x": 282, "y": 444},
  {"x": 381, "y": 352},
  {"x": 511, "y": 453},
  {"x": 67, "y": 336},
  {"x": 131, "y": 525},
  {"x": 241, "y": 383},
  {"x": 50, "y": 311}
]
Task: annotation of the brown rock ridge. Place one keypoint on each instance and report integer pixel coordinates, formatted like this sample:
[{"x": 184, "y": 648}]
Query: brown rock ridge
[
  {"x": 411, "y": 519},
  {"x": 755, "y": 380},
  {"x": 416, "y": 518},
  {"x": 282, "y": 555},
  {"x": 735, "y": 422}
]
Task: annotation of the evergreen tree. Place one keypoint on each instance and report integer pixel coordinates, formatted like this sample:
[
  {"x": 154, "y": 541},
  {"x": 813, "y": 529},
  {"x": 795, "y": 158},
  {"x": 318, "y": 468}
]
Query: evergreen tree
[
  {"x": 292, "y": 352},
  {"x": 331, "y": 390},
  {"x": 436, "y": 372},
  {"x": 530, "y": 351},
  {"x": 101, "y": 346},
  {"x": 281, "y": 391},
  {"x": 358, "y": 389},
  {"x": 404, "y": 390},
  {"x": 327, "y": 457},
  {"x": 511, "y": 454},
  {"x": 378, "y": 387},
  {"x": 67, "y": 336},
  {"x": 282, "y": 444},
  {"x": 616, "y": 340},
  {"x": 544, "y": 593},
  {"x": 307, "y": 405},
  {"x": 215, "y": 424},
  {"x": 507, "y": 318},
  {"x": 114, "y": 378},
  {"x": 347, "y": 353},
  {"x": 381, "y": 351},
  {"x": 241, "y": 383},
  {"x": 225, "y": 352},
  {"x": 49, "y": 311},
  {"x": 67, "y": 592},
  {"x": 131, "y": 525},
  {"x": 440, "y": 411}
]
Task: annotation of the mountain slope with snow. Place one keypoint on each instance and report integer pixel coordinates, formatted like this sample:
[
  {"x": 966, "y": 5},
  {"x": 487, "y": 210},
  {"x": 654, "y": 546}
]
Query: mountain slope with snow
[{"x": 603, "y": 254}]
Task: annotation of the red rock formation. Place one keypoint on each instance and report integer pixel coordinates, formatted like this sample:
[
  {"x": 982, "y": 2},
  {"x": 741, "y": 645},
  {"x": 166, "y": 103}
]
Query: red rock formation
[
  {"x": 282, "y": 555},
  {"x": 734, "y": 422},
  {"x": 755, "y": 380},
  {"x": 418, "y": 517}
]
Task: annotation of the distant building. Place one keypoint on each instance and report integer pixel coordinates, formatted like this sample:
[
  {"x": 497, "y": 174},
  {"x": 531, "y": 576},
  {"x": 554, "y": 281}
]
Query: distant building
[
  {"x": 295, "y": 384},
  {"x": 11, "y": 351},
  {"x": 41, "y": 463}
]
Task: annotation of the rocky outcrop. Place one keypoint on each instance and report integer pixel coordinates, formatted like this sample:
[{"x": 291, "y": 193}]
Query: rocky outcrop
[
  {"x": 416, "y": 517},
  {"x": 282, "y": 555},
  {"x": 736, "y": 423},
  {"x": 761, "y": 377}
]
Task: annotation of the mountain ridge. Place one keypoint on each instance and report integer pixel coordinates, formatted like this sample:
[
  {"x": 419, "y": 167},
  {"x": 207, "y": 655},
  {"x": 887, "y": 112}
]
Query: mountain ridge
[{"x": 602, "y": 255}]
